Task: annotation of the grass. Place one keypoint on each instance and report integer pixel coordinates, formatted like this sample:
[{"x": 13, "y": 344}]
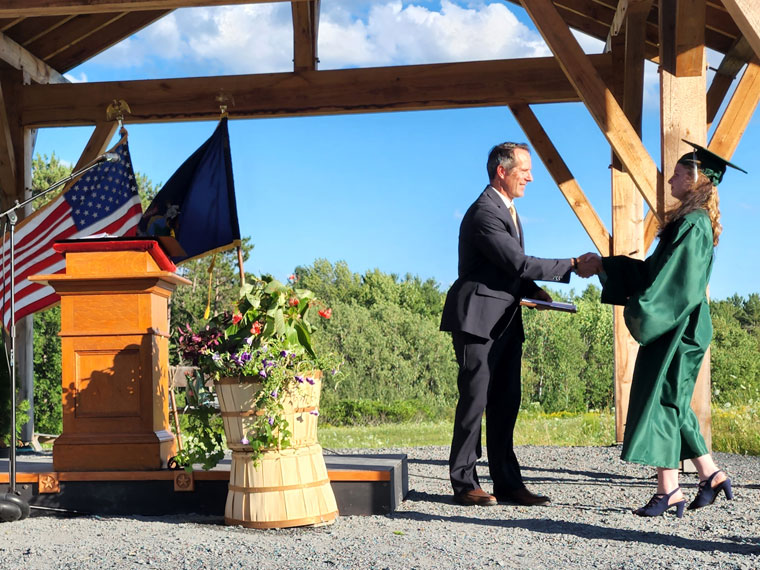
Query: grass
[{"x": 734, "y": 431}]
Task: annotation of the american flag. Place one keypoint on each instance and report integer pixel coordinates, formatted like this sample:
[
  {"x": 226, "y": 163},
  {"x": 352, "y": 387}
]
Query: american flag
[{"x": 103, "y": 200}]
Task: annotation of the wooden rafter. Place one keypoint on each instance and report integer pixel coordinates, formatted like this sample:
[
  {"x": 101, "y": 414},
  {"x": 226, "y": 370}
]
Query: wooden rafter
[
  {"x": 727, "y": 71},
  {"x": 746, "y": 14},
  {"x": 562, "y": 176},
  {"x": 29, "y": 8},
  {"x": 74, "y": 31},
  {"x": 417, "y": 87},
  {"x": 598, "y": 99},
  {"x": 7, "y": 154},
  {"x": 20, "y": 58},
  {"x": 102, "y": 38},
  {"x": 738, "y": 113},
  {"x": 305, "y": 30}
]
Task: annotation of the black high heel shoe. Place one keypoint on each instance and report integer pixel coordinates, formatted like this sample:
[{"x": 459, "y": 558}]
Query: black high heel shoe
[
  {"x": 658, "y": 504},
  {"x": 707, "y": 493}
]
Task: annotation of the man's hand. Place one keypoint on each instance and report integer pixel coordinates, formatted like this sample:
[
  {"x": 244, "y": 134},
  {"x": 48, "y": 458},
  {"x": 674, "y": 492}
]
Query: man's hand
[
  {"x": 541, "y": 295},
  {"x": 588, "y": 264}
]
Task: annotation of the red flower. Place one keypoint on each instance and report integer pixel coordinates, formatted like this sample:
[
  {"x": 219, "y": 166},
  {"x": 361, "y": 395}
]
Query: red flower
[
  {"x": 236, "y": 318},
  {"x": 292, "y": 277},
  {"x": 325, "y": 313},
  {"x": 256, "y": 328},
  {"x": 292, "y": 301}
]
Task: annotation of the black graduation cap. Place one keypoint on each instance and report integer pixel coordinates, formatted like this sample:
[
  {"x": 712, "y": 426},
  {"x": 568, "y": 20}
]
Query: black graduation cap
[{"x": 712, "y": 165}]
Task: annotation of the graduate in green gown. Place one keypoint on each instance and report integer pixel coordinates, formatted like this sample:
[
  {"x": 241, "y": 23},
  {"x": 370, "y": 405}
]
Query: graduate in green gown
[{"x": 667, "y": 312}]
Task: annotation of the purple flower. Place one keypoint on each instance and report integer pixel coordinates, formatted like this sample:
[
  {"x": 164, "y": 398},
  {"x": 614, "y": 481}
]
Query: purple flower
[
  {"x": 310, "y": 380},
  {"x": 216, "y": 357},
  {"x": 334, "y": 371},
  {"x": 273, "y": 393},
  {"x": 245, "y": 357},
  {"x": 267, "y": 363},
  {"x": 299, "y": 379},
  {"x": 245, "y": 441},
  {"x": 314, "y": 412},
  {"x": 263, "y": 373},
  {"x": 271, "y": 420},
  {"x": 284, "y": 353},
  {"x": 249, "y": 341}
]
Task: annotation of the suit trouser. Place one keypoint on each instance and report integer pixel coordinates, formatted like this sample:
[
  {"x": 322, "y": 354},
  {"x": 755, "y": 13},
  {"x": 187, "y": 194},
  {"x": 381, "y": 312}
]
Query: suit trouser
[{"x": 489, "y": 380}]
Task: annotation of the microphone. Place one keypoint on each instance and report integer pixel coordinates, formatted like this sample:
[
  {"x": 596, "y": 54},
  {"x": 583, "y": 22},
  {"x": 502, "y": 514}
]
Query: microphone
[{"x": 108, "y": 157}]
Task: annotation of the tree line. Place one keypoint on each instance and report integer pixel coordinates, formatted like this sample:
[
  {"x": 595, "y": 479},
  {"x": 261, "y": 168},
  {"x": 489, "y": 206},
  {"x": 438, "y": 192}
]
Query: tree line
[{"x": 398, "y": 366}]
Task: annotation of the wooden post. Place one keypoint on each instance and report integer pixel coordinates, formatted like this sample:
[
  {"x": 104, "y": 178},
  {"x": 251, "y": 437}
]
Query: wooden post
[
  {"x": 683, "y": 102},
  {"x": 627, "y": 204}
]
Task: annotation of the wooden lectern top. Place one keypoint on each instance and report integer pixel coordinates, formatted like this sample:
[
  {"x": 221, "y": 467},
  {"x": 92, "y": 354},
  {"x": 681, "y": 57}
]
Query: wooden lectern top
[{"x": 113, "y": 258}]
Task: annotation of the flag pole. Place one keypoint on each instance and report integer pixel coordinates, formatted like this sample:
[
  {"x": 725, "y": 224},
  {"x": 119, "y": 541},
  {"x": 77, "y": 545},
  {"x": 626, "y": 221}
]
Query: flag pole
[
  {"x": 240, "y": 265},
  {"x": 12, "y": 506}
]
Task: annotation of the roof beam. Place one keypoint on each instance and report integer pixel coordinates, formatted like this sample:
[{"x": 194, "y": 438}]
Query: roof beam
[
  {"x": 562, "y": 176},
  {"x": 367, "y": 90},
  {"x": 30, "y": 8},
  {"x": 305, "y": 30},
  {"x": 597, "y": 97},
  {"x": 746, "y": 14},
  {"x": 18, "y": 57},
  {"x": 729, "y": 67},
  {"x": 738, "y": 113}
]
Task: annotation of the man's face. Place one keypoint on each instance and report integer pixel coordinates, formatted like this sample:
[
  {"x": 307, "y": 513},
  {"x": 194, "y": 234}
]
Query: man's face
[{"x": 514, "y": 181}]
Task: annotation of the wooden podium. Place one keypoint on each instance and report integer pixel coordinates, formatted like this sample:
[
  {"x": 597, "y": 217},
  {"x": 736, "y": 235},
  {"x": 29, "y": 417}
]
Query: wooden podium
[{"x": 115, "y": 355}]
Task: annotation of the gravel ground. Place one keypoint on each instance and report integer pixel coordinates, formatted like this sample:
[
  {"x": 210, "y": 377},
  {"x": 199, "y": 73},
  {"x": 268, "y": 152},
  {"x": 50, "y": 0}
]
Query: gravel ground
[{"x": 587, "y": 525}]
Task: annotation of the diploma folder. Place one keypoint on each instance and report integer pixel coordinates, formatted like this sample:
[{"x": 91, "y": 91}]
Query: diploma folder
[{"x": 554, "y": 305}]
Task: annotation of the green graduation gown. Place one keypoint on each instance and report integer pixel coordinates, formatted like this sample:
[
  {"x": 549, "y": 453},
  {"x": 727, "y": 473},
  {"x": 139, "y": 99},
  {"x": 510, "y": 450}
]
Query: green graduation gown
[{"x": 666, "y": 311}]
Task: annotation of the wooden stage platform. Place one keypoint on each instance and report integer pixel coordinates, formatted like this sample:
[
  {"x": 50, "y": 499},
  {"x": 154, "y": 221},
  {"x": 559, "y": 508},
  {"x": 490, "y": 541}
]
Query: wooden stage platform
[{"x": 363, "y": 485}]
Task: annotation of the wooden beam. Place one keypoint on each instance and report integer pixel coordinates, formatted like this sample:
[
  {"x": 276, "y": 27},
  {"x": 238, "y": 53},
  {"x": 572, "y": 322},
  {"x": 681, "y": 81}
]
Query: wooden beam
[
  {"x": 738, "y": 113},
  {"x": 305, "y": 30},
  {"x": 20, "y": 58},
  {"x": 597, "y": 97},
  {"x": 651, "y": 226},
  {"x": 417, "y": 87},
  {"x": 102, "y": 38},
  {"x": 746, "y": 14},
  {"x": 7, "y": 152},
  {"x": 682, "y": 22},
  {"x": 562, "y": 176},
  {"x": 30, "y": 8},
  {"x": 731, "y": 64},
  {"x": 628, "y": 52},
  {"x": 72, "y": 32}
]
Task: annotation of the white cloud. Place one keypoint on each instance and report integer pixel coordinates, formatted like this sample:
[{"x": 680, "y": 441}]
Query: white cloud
[
  {"x": 394, "y": 34},
  {"x": 258, "y": 38},
  {"x": 81, "y": 78}
]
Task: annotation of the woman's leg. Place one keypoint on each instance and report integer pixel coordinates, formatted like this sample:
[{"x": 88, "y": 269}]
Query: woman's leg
[
  {"x": 706, "y": 467},
  {"x": 667, "y": 482}
]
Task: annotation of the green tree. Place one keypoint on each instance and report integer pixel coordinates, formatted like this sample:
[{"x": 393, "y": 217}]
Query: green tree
[{"x": 594, "y": 322}]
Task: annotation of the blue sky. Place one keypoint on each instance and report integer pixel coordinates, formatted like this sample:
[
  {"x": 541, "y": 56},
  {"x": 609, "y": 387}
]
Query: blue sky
[{"x": 388, "y": 190}]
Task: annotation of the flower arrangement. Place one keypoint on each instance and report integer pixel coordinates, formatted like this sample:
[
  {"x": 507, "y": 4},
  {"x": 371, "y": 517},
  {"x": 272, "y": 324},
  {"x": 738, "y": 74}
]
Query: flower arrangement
[{"x": 266, "y": 339}]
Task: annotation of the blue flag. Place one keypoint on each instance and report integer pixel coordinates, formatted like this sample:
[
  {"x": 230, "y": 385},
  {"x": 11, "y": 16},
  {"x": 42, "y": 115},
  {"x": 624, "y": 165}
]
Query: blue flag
[{"x": 197, "y": 206}]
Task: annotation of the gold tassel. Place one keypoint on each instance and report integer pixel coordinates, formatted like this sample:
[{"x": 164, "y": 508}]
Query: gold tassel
[{"x": 207, "y": 312}]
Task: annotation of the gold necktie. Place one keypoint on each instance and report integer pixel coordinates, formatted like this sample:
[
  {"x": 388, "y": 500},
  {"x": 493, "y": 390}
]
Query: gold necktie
[{"x": 513, "y": 213}]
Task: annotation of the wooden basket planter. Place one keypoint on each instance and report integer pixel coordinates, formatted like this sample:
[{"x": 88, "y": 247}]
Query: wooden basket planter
[{"x": 287, "y": 486}]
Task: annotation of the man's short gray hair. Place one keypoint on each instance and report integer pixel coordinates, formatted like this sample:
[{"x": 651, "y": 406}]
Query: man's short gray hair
[{"x": 503, "y": 155}]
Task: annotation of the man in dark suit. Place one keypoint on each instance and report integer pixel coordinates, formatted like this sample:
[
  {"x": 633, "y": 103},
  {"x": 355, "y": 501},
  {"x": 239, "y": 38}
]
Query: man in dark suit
[{"x": 482, "y": 311}]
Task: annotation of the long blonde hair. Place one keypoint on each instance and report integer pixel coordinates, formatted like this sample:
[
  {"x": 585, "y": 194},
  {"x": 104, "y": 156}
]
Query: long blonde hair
[{"x": 701, "y": 196}]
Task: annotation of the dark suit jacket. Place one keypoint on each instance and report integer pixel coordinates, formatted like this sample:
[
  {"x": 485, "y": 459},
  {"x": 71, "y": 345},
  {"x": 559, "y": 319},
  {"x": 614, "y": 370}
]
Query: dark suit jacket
[{"x": 494, "y": 272}]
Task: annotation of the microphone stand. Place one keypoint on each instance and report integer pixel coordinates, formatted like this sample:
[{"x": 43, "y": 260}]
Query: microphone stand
[{"x": 12, "y": 506}]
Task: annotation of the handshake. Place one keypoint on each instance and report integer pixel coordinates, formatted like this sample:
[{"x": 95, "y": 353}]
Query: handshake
[{"x": 587, "y": 265}]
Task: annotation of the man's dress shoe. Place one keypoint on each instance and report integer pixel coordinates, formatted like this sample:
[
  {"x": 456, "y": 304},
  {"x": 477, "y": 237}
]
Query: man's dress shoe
[
  {"x": 475, "y": 497},
  {"x": 524, "y": 497}
]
